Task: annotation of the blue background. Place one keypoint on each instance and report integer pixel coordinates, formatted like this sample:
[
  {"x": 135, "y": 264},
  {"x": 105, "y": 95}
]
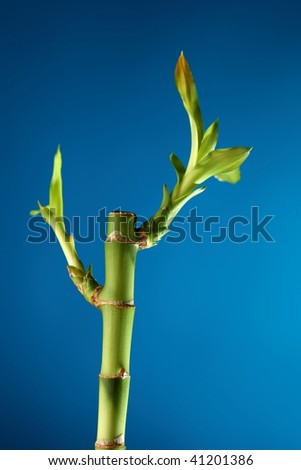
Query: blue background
[{"x": 216, "y": 357}]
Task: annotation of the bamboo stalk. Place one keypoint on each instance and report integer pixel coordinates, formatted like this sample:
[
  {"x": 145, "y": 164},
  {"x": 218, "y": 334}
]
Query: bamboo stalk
[
  {"x": 116, "y": 301},
  {"x": 116, "y": 298}
]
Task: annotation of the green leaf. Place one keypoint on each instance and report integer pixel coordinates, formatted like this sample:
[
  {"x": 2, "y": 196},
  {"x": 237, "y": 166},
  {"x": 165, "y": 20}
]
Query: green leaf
[
  {"x": 55, "y": 190},
  {"x": 89, "y": 270},
  {"x": 209, "y": 141},
  {"x": 204, "y": 161},
  {"x": 178, "y": 166},
  {"x": 181, "y": 201},
  {"x": 230, "y": 177},
  {"x": 165, "y": 197},
  {"x": 56, "y": 186},
  {"x": 220, "y": 161},
  {"x": 34, "y": 212},
  {"x": 53, "y": 214},
  {"x": 46, "y": 213},
  {"x": 186, "y": 87}
]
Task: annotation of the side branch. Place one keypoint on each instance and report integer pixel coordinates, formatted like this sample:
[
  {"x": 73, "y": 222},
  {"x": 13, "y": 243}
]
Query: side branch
[
  {"x": 85, "y": 283},
  {"x": 53, "y": 214},
  {"x": 204, "y": 161}
]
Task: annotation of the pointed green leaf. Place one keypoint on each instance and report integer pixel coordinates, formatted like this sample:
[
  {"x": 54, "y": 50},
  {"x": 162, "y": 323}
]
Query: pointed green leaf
[
  {"x": 56, "y": 186},
  {"x": 209, "y": 141},
  {"x": 178, "y": 166},
  {"x": 55, "y": 222},
  {"x": 220, "y": 161},
  {"x": 53, "y": 214},
  {"x": 46, "y": 213},
  {"x": 186, "y": 87},
  {"x": 34, "y": 212},
  {"x": 181, "y": 201},
  {"x": 165, "y": 197},
  {"x": 230, "y": 177},
  {"x": 89, "y": 270}
]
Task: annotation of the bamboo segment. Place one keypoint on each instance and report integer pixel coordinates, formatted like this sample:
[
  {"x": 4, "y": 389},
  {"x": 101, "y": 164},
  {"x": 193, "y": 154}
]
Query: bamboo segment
[
  {"x": 117, "y": 305},
  {"x": 113, "y": 396}
]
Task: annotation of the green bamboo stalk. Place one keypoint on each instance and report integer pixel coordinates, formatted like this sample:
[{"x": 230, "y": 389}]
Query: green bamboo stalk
[{"x": 115, "y": 299}]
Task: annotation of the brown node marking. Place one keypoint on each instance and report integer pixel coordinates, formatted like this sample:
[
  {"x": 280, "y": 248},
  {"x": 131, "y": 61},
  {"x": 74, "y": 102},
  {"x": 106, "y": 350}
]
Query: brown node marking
[
  {"x": 122, "y": 374},
  {"x": 94, "y": 297},
  {"x": 116, "y": 236},
  {"x": 115, "y": 303},
  {"x": 126, "y": 214},
  {"x": 142, "y": 243},
  {"x": 108, "y": 447},
  {"x": 110, "y": 443}
]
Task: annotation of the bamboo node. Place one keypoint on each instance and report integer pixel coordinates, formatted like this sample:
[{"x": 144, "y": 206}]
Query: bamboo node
[
  {"x": 123, "y": 213},
  {"x": 110, "y": 443},
  {"x": 94, "y": 297},
  {"x": 116, "y": 236},
  {"x": 142, "y": 244},
  {"x": 120, "y": 375},
  {"x": 115, "y": 303}
]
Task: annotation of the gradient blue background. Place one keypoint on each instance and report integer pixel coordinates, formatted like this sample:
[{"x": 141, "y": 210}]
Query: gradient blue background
[{"x": 216, "y": 358}]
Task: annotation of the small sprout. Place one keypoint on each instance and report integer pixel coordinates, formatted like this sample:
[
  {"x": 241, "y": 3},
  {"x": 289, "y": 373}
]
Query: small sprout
[{"x": 53, "y": 214}]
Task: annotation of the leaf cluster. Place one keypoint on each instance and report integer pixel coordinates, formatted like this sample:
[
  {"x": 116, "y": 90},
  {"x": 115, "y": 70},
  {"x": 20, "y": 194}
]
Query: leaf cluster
[{"x": 204, "y": 161}]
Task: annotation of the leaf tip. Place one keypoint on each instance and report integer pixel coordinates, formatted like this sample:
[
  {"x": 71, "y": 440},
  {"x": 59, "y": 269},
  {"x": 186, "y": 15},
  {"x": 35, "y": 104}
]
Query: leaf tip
[
  {"x": 89, "y": 270},
  {"x": 34, "y": 212},
  {"x": 182, "y": 62},
  {"x": 231, "y": 177},
  {"x": 58, "y": 157}
]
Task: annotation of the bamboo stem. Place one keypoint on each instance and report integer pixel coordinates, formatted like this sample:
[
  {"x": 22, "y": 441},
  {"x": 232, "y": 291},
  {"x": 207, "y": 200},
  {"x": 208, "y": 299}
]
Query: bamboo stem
[
  {"x": 116, "y": 299},
  {"x": 117, "y": 306}
]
